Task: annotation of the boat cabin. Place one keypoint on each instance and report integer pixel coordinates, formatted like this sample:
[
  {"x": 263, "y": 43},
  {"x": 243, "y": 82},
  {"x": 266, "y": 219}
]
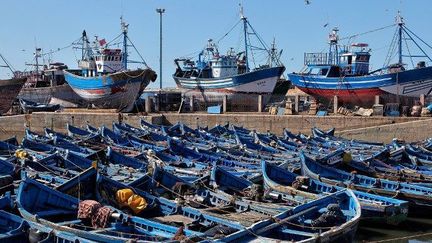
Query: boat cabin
[
  {"x": 211, "y": 64},
  {"x": 105, "y": 61},
  {"x": 109, "y": 61},
  {"x": 352, "y": 62},
  {"x": 330, "y": 71},
  {"x": 223, "y": 66},
  {"x": 356, "y": 61}
]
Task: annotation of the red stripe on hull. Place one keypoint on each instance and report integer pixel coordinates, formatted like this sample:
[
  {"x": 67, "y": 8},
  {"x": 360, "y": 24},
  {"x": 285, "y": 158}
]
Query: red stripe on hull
[
  {"x": 356, "y": 96},
  {"x": 96, "y": 91}
]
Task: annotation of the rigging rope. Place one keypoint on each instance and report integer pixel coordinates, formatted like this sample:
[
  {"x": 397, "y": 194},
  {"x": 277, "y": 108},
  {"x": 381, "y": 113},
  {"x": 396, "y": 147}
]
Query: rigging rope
[
  {"x": 367, "y": 32},
  {"x": 221, "y": 38},
  {"x": 411, "y": 58}
]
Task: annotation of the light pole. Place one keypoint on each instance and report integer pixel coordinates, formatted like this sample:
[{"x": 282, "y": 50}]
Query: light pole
[{"x": 160, "y": 11}]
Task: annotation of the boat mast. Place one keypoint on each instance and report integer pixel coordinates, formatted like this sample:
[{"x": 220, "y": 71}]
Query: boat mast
[
  {"x": 333, "y": 41},
  {"x": 273, "y": 54},
  {"x": 245, "y": 24},
  {"x": 400, "y": 23},
  {"x": 124, "y": 28},
  {"x": 37, "y": 55},
  {"x": 84, "y": 45}
]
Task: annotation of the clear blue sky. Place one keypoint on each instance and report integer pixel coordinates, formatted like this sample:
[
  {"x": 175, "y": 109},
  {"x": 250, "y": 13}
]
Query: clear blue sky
[{"x": 297, "y": 27}]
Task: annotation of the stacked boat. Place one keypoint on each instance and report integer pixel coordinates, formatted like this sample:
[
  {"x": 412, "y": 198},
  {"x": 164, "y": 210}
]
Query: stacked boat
[{"x": 226, "y": 183}]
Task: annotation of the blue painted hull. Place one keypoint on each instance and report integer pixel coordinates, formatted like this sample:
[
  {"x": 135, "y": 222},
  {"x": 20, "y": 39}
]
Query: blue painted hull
[
  {"x": 359, "y": 89},
  {"x": 259, "y": 81},
  {"x": 363, "y": 88},
  {"x": 412, "y": 83},
  {"x": 117, "y": 91}
]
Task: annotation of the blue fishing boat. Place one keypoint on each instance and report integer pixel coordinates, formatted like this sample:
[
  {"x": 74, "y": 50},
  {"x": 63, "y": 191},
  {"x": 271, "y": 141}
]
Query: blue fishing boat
[
  {"x": 344, "y": 72},
  {"x": 104, "y": 79},
  {"x": 419, "y": 197},
  {"x": 156, "y": 209},
  {"x": 293, "y": 187},
  {"x": 29, "y": 106},
  {"x": 232, "y": 72},
  {"x": 164, "y": 183},
  {"x": 306, "y": 223},
  {"x": 82, "y": 134},
  {"x": 12, "y": 228},
  {"x": 123, "y": 128},
  {"x": 46, "y": 206}
]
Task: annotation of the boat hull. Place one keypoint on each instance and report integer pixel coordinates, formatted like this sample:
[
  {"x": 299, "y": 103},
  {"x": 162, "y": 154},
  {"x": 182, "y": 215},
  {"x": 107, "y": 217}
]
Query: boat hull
[
  {"x": 353, "y": 90},
  {"x": 60, "y": 94},
  {"x": 412, "y": 83},
  {"x": 259, "y": 81},
  {"x": 116, "y": 91},
  {"x": 9, "y": 90},
  {"x": 358, "y": 96}
]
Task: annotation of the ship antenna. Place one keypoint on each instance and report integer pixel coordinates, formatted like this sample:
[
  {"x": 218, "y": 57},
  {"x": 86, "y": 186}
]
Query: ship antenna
[{"x": 241, "y": 11}]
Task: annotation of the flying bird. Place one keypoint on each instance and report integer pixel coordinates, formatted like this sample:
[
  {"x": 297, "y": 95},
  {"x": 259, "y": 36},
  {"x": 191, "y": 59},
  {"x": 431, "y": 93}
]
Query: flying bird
[{"x": 307, "y": 2}]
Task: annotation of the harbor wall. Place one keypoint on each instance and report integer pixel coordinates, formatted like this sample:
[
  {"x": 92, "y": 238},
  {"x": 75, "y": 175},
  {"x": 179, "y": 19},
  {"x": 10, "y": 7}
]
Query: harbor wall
[
  {"x": 381, "y": 129},
  {"x": 15, "y": 125},
  {"x": 276, "y": 124},
  {"x": 408, "y": 131}
]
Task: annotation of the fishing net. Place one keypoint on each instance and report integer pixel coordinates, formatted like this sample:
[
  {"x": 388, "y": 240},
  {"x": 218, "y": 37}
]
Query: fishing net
[{"x": 94, "y": 212}]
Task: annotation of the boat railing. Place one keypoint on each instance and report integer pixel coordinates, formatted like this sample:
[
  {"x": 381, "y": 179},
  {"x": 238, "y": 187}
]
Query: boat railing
[{"x": 315, "y": 58}]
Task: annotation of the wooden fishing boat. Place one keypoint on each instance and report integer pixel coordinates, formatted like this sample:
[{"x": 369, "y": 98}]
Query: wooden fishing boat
[
  {"x": 58, "y": 145},
  {"x": 104, "y": 79},
  {"x": 163, "y": 182},
  {"x": 12, "y": 228},
  {"x": 36, "y": 137},
  {"x": 330, "y": 135},
  {"x": 291, "y": 186},
  {"x": 81, "y": 134},
  {"x": 153, "y": 208},
  {"x": 214, "y": 72},
  {"x": 51, "y": 208},
  {"x": 9, "y": 88},
  {"x": 123, "y": 129},
  {"x": 418, "y": 196},
  {"x": 29, "y": 106},
  {"x": 299, "y": 223}
]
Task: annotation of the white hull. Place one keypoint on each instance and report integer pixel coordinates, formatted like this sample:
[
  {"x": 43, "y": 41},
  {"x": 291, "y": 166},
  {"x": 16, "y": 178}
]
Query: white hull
[{"x": 266, "y": 85}]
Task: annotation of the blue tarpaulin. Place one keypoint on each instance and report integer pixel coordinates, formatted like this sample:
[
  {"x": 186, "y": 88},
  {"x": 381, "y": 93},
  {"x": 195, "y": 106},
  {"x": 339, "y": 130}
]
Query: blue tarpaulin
[{"x": 217, "y": 109}]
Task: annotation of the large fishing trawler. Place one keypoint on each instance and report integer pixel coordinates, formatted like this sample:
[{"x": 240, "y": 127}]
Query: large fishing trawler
[
  {"x": 345, "y": 72},
  {"x": 104, "y": 79},
  {"x": 232, "y": 72}
]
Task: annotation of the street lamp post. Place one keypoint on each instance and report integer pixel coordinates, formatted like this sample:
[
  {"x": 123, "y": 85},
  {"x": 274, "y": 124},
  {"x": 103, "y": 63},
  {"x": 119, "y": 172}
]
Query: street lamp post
[{"x": 160, "y": 11}]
